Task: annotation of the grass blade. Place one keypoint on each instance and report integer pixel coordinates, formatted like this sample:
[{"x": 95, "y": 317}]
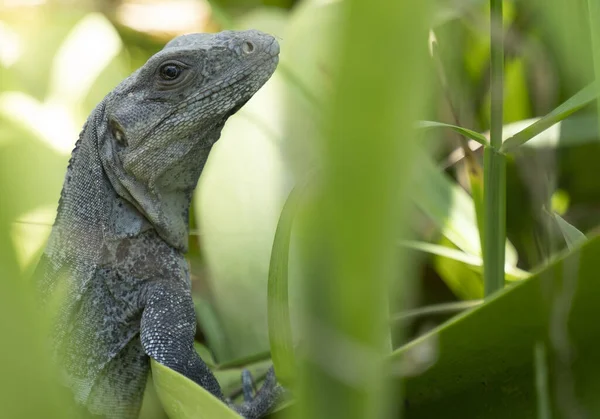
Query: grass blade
[
  {"x": 571, "y": 105},
  {"x": 278, "y": 313},
  {"x": 473, "y": 135},
  {"x": 369, "y": 151}
]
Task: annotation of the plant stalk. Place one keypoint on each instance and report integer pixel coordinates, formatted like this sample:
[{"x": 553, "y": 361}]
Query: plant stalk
[{"x": 495, "y": 164}]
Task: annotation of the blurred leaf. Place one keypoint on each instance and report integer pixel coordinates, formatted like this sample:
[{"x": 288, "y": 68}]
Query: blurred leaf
[
  {"x": 205, "y": 354},
  {"x": 183, "y": 399},
  {"x": 573, "y": 104},
  {"x": 474, "y": 262},
  {"x": 463, "y": 131},
  {"x": 451, "y": 209},
  {"x": 280, "y": 328},
  {"x": 57, "y": 119},
  {"x": 245, "y": 361},
  {"x": 481, "y": 363},
  {"x": 211, "y": 326},
  {"x": 69, "y": 86},
  {"x": 516, "y": 90},
  {"x": 29, "y": 234},
  {"x": 436, "y": 309},
  {"x": 463, "y": 280},
  {"x": 572, "y": 236}
]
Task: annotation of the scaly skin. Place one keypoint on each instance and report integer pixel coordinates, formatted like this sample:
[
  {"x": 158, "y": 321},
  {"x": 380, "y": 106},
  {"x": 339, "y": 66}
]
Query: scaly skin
[{"x": 116, "y": 250}]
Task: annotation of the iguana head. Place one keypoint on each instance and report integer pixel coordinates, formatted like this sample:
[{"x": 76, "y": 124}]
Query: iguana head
[{"x": 162, "y": 120}]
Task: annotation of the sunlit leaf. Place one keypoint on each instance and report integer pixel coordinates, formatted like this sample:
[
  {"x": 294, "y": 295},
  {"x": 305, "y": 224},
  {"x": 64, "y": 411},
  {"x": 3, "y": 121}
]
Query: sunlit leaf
[
  {"x": 30, "y": 233},
  {"x": 90, "y": 46},
  {"x": 183, "y": 399},
  {"x": 473, "y": 261}
]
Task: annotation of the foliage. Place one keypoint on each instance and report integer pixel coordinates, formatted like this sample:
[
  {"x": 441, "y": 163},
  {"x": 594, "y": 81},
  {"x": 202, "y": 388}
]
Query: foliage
[{"x": 410, "y": 171}]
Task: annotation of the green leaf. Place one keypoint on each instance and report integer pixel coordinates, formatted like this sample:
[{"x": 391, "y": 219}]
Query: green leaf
[
  {"x": 211, "y": 326},
  {"x": 573, "y": 104},
  {"x": 451, "y": 209},
  {"x": 183, "y": 399},
  {"x": 230, "y": 379},
  {"x": 280, "y": 329},
  {"x": 473, "y": 261},
  {"x": 572, "y": 235},
  {"x": 481, "y": 363},
  {"x": 463, "y": 131},
  {"x": 245, "y": 360}
]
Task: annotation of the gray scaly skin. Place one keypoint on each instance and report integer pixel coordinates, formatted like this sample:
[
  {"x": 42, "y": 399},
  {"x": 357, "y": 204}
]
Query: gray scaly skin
[{"x": 115, "y": 255}]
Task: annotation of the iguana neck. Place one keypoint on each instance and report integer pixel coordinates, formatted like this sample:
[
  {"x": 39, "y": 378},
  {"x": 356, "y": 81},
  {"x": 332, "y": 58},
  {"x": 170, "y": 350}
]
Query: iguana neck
[
  {"x": 97, "y": 204},
  {"x": 85, "y": 203}
]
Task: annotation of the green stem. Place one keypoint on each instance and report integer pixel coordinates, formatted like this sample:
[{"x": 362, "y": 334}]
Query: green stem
[
  {"x": 495, "y": 220},
  {"x": 497, "y": 76},
  {"x": 594, "y": 18},
  {"x": 495, "y": 165}
]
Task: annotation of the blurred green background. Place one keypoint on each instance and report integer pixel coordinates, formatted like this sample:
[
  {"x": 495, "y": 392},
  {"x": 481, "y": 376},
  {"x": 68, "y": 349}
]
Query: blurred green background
[{"x": 353, "y": 80}]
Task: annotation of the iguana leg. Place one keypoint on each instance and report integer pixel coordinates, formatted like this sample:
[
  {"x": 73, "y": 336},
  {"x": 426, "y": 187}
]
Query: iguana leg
[
  {"x": 167, "y": 333},
  {"x": 247, "y": 385},
  {"x": 267, "y": 396}
]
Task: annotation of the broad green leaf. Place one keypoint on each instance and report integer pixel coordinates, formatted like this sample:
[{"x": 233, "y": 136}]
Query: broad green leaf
[
  {"x": 183, "y": 399},
  {"x": 462, "y": 131},
  {"x": 573, "y": 104},
  {"x": 481, "y": 363},
  {"x": 572, "y": 235}
]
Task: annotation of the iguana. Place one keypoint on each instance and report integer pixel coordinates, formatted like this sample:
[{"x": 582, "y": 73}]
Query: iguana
[{"x": 116, "y": 251}]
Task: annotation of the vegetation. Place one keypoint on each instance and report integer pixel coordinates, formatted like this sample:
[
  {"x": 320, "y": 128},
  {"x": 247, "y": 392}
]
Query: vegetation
[{"x": 403, "y": 220}]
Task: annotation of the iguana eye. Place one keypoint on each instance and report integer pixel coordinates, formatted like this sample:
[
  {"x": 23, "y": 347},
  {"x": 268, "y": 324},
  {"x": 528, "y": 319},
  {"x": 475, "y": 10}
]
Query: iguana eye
[{"x": 170, "y": 71}]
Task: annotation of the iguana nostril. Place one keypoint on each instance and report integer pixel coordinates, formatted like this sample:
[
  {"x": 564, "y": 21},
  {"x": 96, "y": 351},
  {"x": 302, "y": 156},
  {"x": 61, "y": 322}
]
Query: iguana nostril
[{"x": 248, "y": 47}]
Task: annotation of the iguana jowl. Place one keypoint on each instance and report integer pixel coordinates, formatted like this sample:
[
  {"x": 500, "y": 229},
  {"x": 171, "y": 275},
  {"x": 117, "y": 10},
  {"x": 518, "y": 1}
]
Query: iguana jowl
[{"x": 116, "y": 248}]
